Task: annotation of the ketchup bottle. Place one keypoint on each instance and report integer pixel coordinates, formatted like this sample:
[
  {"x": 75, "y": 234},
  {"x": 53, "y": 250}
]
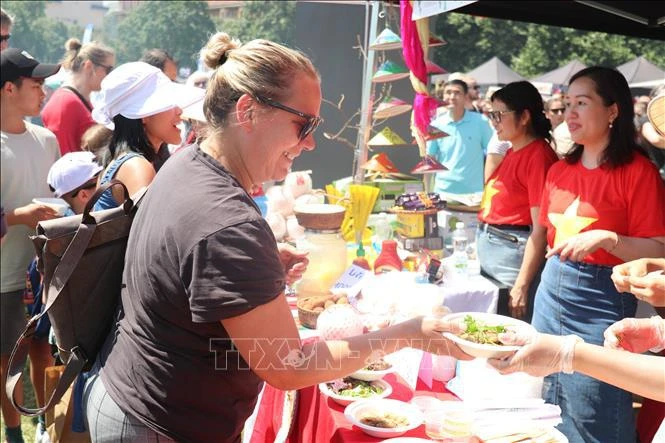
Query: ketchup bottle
[{"x": 388, "y": 260}]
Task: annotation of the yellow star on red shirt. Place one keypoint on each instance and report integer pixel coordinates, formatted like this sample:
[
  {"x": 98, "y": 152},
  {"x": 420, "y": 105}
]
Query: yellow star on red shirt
[
  {"x": 569, "y": 223},
  {"x": 489, "y": 193}
]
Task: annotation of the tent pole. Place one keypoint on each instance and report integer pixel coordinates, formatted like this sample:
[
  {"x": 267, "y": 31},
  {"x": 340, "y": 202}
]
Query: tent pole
[{"x": 360, "y": 153}]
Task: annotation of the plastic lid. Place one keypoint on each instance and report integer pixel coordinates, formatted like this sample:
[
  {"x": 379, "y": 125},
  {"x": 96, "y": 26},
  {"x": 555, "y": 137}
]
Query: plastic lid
[{"x": 459, "y": 225}]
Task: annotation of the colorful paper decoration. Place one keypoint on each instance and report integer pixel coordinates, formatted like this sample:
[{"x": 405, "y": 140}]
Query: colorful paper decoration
[
  {"x": 386, "y": 40},
  {"x": 432, "y": 134},
  {"x": 436, "y": 41},
  {"x": 427, "y": 165},
  {"x": 390, "y": 107},
  {"x": 433, "y": 68},
  {"x": 387, "y": 137},
  {"x": 390, "y": 71},
  {"x": 380, "y": 163}
]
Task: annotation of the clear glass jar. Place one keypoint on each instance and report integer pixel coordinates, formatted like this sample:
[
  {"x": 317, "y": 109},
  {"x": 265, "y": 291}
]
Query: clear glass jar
[{"x": 327, "y": 261}]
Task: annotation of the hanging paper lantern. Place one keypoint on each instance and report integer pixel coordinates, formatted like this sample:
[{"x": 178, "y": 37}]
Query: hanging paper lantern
[
  {"x": 390, "y": 107},
  {"x": 387, "y": 137},
  {"x": 386, "y": 40},
  {"x": 390, "y": 71}
]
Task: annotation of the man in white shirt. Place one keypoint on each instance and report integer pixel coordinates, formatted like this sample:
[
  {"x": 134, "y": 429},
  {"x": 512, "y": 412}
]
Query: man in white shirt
[{"x": 28, "y": 151}]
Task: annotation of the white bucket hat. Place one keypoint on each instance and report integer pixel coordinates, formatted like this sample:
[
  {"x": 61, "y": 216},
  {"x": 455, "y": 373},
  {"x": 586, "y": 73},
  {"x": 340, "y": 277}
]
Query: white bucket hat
[
  {"x": 72, "y": 170},
  {"x": 136, "y": 90}
]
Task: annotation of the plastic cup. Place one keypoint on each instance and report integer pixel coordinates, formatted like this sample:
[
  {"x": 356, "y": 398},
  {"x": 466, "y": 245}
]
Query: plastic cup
[
  {"x": 434, "y": 423},
  {"x": 426, "y": 403}
]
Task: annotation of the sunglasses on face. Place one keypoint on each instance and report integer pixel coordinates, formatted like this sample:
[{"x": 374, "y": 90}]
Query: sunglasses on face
[
  {"x": 107, "y": 68},
  {"x": 309, "y": 127},
  {"x": 558, "y": 111},
  {"x": 495, "y": 116},
  {"x": 4, "y": 38}
]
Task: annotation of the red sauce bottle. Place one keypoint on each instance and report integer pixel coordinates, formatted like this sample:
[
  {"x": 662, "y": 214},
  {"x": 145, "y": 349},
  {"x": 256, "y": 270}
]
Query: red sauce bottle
[{"x": 388, "y": 260}]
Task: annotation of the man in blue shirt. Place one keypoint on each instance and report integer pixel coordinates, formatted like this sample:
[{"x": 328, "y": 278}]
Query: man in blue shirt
[{"x": 462, "y": 152}]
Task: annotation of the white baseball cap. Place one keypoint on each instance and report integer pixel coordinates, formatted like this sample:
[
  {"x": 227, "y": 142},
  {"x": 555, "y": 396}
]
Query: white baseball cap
[
  {"x": 136, "y": 90},
  {"x": 72, "y": 170}
]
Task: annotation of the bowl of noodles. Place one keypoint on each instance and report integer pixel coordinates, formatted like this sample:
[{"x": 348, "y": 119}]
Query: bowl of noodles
[
  {"x": 384, "y": 418},
  {"x": 481, "y": 337}
]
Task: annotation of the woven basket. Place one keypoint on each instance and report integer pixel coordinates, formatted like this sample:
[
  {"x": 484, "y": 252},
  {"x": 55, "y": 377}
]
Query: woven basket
[{"x": 307, "y": 317}]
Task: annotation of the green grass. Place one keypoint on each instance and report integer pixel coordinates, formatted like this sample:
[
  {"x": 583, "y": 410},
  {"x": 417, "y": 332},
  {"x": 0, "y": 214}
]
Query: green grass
[{"x": 28, "y": 424}]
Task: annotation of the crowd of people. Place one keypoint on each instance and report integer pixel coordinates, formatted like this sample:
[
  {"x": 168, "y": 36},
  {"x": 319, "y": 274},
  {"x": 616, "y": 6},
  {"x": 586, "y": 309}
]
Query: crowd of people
[{"x": 578, "y": 240}]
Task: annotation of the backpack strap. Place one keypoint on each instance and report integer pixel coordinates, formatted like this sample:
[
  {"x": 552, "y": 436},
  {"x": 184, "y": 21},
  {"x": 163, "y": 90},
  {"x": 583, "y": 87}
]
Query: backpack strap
[
  {"x": 61, "y": 275},
  {"x": 80, "y": 97}
]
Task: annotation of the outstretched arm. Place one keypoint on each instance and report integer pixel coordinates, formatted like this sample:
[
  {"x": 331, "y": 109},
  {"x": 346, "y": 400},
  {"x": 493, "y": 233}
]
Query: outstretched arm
[
  {"x": 544, "y": 354},
  {"x": 268, "y": 340}
]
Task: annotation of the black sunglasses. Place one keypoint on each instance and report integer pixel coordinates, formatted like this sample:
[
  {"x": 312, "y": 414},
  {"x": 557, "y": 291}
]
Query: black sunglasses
[
  {"x": 309, "y": 127},
  {"x": 559, "y": 111},
  {"x": 5, "y": 37},
  {"x": 495, "y": 116},
  {"x": 107, "y": 68}
]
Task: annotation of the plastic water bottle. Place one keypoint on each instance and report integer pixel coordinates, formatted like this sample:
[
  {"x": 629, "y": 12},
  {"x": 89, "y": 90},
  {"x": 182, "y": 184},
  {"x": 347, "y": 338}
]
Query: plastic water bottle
[
  {"x": 382, "y": 231},
  {"x": 460, "y": 242}
]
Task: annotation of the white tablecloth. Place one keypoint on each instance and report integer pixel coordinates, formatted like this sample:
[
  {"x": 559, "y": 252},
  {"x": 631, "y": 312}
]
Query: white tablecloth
[{"x": 471, "y": 293}]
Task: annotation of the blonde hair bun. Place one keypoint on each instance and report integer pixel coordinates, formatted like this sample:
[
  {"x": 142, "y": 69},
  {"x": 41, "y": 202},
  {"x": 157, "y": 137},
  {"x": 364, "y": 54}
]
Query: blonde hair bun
[
  {"x": 73, "y": 44},
  {"x": 216, "y": 51}
]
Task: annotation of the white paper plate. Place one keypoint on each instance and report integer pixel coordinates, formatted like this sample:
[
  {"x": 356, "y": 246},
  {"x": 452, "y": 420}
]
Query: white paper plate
[{"x": 482, "y": 350}]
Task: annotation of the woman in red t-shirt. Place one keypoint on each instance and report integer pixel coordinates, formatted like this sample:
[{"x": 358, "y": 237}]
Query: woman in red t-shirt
[
  {"x": 68, "y": 112},
  {"x": 510, "y": 242},
  {"x": 602, "y": 205}
]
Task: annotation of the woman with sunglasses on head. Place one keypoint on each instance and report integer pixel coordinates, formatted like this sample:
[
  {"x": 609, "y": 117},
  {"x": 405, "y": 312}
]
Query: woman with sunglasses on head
[
  {"x": 510, "y": 241},
  {"x": 143, "y": 107},
  {"x": 68, "y": 112},
  {"x": 602, "y": 206},
  {"x": 205, "y": 317}
]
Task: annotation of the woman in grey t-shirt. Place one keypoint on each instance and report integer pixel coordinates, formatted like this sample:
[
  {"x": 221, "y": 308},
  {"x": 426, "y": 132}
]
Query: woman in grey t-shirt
[{"x": 204, "y": 319}]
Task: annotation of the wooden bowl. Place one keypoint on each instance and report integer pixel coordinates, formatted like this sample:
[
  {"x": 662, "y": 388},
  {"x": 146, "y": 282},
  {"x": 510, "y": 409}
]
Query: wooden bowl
[{"x": 321, "y": 217}]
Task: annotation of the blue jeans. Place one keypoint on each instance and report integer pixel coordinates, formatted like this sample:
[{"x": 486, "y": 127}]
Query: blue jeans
[
  {"x": 578, "y": 298},
  {"x": 107, "y": 423},
  {"x": 501, "y": 259}
]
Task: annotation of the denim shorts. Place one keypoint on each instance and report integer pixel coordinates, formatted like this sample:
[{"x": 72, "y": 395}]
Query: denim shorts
[
  {"x": 579, "y": 298},
  {"x": 105, "y": 420},
  {"x": 501, "y": 259}
]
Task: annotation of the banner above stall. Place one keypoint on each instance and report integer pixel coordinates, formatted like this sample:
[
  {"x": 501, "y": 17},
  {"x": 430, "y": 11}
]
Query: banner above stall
[{"x": 422, "y": 9}]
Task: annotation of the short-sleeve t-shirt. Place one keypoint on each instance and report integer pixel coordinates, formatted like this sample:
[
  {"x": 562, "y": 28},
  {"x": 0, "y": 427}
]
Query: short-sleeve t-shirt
[
  {"x": 516, "y": 185},
  {"x": 68, "y": 118},
  {"x": 462, "y": 152},
  {"x": 627, "y": 200},
  {"x": 25, "y": 161},
  {"x": 198, "y": 252}
]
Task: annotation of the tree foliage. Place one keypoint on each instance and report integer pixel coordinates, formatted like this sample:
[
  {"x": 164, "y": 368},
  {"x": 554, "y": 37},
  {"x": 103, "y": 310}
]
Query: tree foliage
[
  {"x": 272, "y": 20},
  {"x": 180, "y": 28},
  {"x": 43, "y": 37},
  {"x": 531, "y": 49}
]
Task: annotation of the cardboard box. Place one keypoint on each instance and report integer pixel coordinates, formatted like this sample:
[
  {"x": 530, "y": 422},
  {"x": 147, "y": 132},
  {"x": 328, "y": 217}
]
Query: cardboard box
[
  {"x": 416, "y": 244},
  {"x": 417, "y": 224},
  {"x": 448, "y": 218},
  {"x": 389, "y": 190}
]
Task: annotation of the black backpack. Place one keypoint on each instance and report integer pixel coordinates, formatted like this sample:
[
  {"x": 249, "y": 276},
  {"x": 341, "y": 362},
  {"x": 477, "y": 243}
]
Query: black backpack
[{"x": 82, "y": 259}]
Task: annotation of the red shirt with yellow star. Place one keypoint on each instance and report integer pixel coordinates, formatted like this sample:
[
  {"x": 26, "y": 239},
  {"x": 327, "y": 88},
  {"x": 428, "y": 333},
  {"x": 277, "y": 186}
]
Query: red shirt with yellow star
[
  {"x": 628, "y": 200},
  {"x": 516, "y": 185}
]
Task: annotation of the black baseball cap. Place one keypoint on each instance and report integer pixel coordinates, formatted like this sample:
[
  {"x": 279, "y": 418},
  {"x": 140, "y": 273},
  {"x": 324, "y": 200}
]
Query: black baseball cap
[{"x": 17, "y": 63}]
